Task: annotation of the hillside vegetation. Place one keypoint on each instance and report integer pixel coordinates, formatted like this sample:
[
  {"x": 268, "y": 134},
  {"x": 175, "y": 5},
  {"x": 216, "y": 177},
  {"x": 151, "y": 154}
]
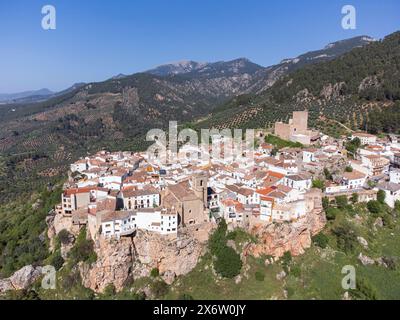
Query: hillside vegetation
[{"x": 361, "y": 89}]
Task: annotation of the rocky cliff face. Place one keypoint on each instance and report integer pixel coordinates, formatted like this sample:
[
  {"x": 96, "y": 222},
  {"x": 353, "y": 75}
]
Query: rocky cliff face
[
  {"x": 132, "y": 258},
  {"x": 276, "y": 238},
  {"x": 56, "y": 223},
  {"x": 21, "y": 279}
]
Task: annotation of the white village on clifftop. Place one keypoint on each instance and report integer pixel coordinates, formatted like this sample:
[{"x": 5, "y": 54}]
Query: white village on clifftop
[{"x": 116, "y": 194}]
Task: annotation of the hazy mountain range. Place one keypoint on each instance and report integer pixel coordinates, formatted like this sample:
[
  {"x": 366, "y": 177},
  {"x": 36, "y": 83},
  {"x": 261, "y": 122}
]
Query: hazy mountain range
[
  {"x": 34, "y": 95},
  {"x": 265, "y": 76}
]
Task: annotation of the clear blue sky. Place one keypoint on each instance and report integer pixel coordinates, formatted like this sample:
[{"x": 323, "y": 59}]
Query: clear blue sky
[{"x": 96, "y": 39}]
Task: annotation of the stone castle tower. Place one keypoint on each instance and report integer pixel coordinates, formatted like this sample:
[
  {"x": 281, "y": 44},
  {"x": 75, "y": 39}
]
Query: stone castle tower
[{"x": 199, "y": 184}]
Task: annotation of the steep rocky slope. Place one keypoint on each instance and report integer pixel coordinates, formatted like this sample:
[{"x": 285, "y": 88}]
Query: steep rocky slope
[
  {"x": 275, "y": 239},
  {"x": 133, "y": 258}
]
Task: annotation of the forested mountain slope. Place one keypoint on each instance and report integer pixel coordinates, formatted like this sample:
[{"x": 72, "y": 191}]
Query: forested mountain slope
[{"x": 365, "y": 81}]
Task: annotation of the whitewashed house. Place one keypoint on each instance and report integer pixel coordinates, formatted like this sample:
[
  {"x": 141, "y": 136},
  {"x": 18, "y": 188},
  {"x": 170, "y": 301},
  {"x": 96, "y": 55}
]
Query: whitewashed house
[
  {"x": 122, "y": 223},
  {"x": 148, "y": 197},
  {"x": 395, "y": 176},
  {"x": 309, "y": 155},
  {"x": 365, "y": 138},
  {"x": 299, "y": 182},
  {"x": 79, "y": 166},
  {"x": 392, "y": 192},
  {"x": 353, "y": 180}
]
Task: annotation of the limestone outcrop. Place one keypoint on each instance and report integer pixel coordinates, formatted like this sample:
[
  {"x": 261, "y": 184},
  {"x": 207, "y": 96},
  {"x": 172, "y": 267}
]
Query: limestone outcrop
[
  {"x": 275, "y": 239},
  {"x": 56, "y": 223},
  {"x": 128, "y": 259},
  {"x": 21, "y": 279}
]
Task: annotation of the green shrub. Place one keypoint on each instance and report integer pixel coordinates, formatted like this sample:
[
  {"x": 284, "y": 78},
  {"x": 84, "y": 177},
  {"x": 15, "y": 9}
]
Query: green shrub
[
  {"x": 139, "y": 296},
  {"x": 331, "y": 213},
  {"x": 218, "y": 239},
  {"x": 346, "y": 237},
  {"x": 154, "y": 272},
  {"x": 63, "y": 236},
  {"x": 21, "y": 295},
  {"x": 388, "y": 221},
  {"x": 290, "y": 292},
  {"x": 259, "y": 275},
  {"x": 159, "y": 288},
  {"x": 109, "y": 291},
  {"x": 185, "y": 296},
  {"x": 227, "y": 263},
  {"x": 325, "y": 203},
  {"x": 286, "y": 261},
  {"x": 21, "y": 227},
  {"x": 397, "y": 206},
  {"x": 319, "y": 184},
  {"x": 321, "y": 240},
  {"x": 83, "y": 249},
  {"x": 279, "y": 143},
  {"x": 371, "y": 184},
  {"x": 352, "y": 146},
  {"x": 354, "y": 198},
  {"x": 232, "y": 235},
  {"x": 341, "y": 202},
  {"x": 374, "y": 207},
  {"x": 295, "y": 271},
  {"x": 71, "y": 280},
  {"x": 364, "y": 290},
  {"x": 348, "y": 169},
  {"x": 287, "y": 257},
  {"x": 327, "y": 174},
  {"x": 56, "y": 260},
  {"x": 381, "y": 196}
]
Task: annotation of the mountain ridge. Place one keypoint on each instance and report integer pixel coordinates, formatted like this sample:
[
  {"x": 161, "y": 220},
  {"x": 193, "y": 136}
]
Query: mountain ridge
[
  {"x": 346, "y": 89},
  {"x": 6, "y": 97}
]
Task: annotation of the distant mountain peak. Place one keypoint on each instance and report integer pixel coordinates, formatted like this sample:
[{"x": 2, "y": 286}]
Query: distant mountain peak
[
  {"x": 362, "y": 40},
  {"x": 178, "y": 67},
  {"x": 119, "y": 76},
  {"x": 331, "y": 51},
  {"x": 206, "y": 68},
  {"x": 9, "y": 97}
]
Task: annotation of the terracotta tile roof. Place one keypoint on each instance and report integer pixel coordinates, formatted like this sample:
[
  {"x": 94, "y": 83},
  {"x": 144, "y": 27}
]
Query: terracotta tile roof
[
  {"x": 275, "y": 174},
  {"x": 266, "y": 191},
  {"x": 277, "y": 195},
  {"x": 182, "y": 191},
  {"x": 265, "y": 198},
  {"x": 148, "y": 190},
  {"x": 283, "y": 188},
  {"x": 245, "y": 192},
  {"x": 69, "y": 192},
  {"x": 363, "y": 134},
  {"x": 228, "y": 202},
  {"x": 114, "y": 215},
  {"x": 390, "y": 186},
  {"x": 353, "y": 175},
  {"x": 266, "y": 146}
]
